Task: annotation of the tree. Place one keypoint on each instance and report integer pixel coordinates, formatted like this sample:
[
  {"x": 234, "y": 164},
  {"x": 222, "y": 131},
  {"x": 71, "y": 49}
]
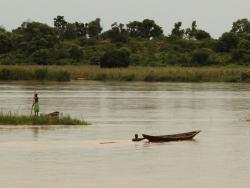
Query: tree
[
  {"x": 145, "y": 29},
  {"x": 194, "y": 25},
  {"x": 2, "y": 29},
  {"x": 244, "y": 44},
  {"x": 32, "y": 36},
  {"x": 60, "y": 25},
  {"x": 5, "y": 43},
  {"x": 227, "y": 42},
  {"x": 117, "y": 33},
  {"x": 134, "y": 29},
  {"x": 194, "y": 33},
  {"x": 177, "y": 32},
  {"x": 70, "y": 31},
  {"x": 81, "y": 29},
  {"x": 94, "y": 28},
  {"x": 190, "y": 32},
  {"x": 149, "y": 29},
  {"x": 241, "y": 26},
  {"x": 201, "y": 35},
  {"x": 115, "y": 59}
]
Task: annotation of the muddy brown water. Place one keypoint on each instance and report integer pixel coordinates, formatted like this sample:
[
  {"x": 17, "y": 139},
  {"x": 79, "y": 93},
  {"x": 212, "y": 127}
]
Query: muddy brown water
[{"x": 76, "y": 156}]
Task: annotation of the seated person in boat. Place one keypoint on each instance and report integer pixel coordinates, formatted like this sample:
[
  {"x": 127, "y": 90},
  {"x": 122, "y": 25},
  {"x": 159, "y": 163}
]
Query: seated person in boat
[{"x": 136, "y": 139}]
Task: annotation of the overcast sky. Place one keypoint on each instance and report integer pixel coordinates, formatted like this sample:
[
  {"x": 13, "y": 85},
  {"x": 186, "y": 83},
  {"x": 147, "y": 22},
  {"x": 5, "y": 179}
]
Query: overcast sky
[{"x": 214, "y": 16}]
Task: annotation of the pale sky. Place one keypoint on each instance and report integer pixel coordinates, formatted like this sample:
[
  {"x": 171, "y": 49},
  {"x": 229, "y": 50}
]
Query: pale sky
[{"x": 214, "y": 16}]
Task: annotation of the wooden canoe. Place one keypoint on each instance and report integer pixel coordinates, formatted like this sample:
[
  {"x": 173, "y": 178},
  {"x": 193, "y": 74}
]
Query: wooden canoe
[
  {"x": 54, "y": 114},
  {"x": 173, "y": 137}
]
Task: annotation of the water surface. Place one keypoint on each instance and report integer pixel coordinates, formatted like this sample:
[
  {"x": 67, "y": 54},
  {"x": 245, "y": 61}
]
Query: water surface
[{"x": 59, "y": 156}]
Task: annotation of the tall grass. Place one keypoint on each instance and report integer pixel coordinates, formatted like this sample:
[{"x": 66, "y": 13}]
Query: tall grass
[
  {"x": 15, "y": 119},
  {"x": 164, "y": 74},
  {"x": 148, "y": 74},
  {"x": 33, "y": 73}
]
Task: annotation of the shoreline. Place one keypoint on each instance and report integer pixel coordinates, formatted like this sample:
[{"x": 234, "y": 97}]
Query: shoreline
[{"x": 240, "y": 74}]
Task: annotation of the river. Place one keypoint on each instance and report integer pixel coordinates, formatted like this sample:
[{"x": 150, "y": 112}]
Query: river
[{"x": 75, "y": 156}]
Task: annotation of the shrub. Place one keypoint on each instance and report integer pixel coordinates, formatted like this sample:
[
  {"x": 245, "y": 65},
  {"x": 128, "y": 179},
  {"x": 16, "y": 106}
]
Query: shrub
[
  {"x": 7, "y": 59},
  {"x": 41, "y": 57},
  {"x": 75, "y": 52},
  {"x": 222, "y": 58},
  {"x": 175, "y": 58},
  {"x": 244, "y": 44},
  {"x": 201, "y": 57},
  {"x": 201, "y": 35},
  {"x": 94, "y": 60},
  {"x": 240, "y": 56},
  {"x": 5, "y": 43},
  {"x": 115, "y": 58},
  {"x": 227, "y": 42}
]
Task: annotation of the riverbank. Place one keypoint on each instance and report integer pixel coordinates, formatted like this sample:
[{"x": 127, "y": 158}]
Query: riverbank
[
  {"x": 147, "y": 74},
  {"x": 15, "y": 119}
]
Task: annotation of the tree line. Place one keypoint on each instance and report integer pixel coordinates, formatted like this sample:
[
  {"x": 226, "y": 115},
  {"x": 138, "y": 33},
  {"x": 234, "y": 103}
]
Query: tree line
[{"x": 136, "y": 43}]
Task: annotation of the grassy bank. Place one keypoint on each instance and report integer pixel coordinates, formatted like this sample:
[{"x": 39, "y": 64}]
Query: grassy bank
[
  {"x": 33, "y": 73},
  {"x": 148, "y": 74},
  {"x": 14, "y": 119}
]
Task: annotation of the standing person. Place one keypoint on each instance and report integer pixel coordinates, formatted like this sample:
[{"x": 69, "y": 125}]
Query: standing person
[{"x": 35, "y": 104}]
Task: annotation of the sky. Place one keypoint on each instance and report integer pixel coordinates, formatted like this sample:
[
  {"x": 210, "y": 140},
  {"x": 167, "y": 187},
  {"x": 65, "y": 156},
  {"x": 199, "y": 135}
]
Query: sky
[{"x": 214, "y": 16}]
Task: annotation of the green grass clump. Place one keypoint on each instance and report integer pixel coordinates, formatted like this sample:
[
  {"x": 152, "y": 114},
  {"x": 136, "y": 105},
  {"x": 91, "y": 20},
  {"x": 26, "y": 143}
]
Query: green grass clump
[{"x": 14, "y": 119}]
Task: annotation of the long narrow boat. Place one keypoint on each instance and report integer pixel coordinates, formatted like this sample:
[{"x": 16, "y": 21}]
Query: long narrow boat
[{"x": 173, "y": 137}]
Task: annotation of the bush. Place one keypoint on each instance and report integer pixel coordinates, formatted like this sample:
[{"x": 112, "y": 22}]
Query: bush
[
  {"x": 136, "y": 59},
  {"x": 244, "y": 44},
  {"x": 75, "y": 52},
  {"x": 7, "y": 59},
  {"x": 41, "y": 57},
  {"x": 237, "y": 54},
  {"x": 115, "y": 58},
  {"x": 201, "y": 57},
  {"x": 241, "y": 56},
  {"x": 227, "y": 42},
  {"x": 201, "y": 35},
  {"x": 94, "y": 60},
  {"x": 61, "y": 52},
  {"x": 175, "y": 58},
  {"x": 5, "y": 43},
  {"x": 222, "y": 58}
]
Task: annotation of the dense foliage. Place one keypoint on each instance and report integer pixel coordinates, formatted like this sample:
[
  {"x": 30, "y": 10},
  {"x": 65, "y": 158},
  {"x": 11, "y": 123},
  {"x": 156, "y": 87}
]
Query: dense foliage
[
  {"x": 115, "y": 59},
  {"x": 136, "y": 43}
]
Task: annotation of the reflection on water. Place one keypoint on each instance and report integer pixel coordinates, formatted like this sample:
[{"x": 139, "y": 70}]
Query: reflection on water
[{"x": 102, "y": 154}]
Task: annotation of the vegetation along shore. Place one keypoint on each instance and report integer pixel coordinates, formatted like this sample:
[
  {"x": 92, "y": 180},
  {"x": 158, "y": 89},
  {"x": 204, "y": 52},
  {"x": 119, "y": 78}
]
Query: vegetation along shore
[
  {"x": 138, "y": 50},
  {"x": 147, "y": 74},
  {"x": 15, "y": 119}
]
